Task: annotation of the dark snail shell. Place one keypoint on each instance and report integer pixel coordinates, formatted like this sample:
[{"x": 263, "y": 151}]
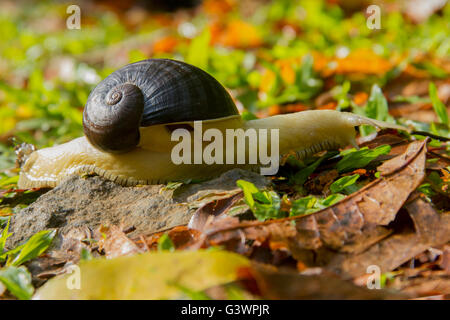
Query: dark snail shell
[{"x": 151, "y": 92}]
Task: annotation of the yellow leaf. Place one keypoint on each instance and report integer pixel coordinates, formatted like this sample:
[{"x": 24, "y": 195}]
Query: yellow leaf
[{"x": 152, "y": 275}]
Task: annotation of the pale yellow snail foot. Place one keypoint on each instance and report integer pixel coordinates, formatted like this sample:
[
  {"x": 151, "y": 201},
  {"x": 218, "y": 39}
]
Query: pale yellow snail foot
[{"x": 305, "y": 133}]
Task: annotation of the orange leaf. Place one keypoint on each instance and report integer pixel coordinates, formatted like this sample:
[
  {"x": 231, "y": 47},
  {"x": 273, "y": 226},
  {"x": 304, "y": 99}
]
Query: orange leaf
[{"x": 165, "y": 45}]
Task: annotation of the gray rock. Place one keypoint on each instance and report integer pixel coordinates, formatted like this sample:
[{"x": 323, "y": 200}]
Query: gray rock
[{"x": 93, "y": 201}]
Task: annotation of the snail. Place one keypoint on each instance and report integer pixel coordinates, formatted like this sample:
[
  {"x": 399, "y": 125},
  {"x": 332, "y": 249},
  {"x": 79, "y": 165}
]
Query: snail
[{"x": 130, "y": 116}]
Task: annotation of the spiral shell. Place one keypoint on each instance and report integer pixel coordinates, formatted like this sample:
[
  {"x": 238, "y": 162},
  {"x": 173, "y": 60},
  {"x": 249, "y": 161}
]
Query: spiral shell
[{"x": 151, "y": 92}]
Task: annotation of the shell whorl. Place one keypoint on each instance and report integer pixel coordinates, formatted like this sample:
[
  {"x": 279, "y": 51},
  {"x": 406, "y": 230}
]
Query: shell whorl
[
  {"x": 111, "y": 121},
  {"x": 151, "y": 92},
  {"x": 113, "y": 97}
]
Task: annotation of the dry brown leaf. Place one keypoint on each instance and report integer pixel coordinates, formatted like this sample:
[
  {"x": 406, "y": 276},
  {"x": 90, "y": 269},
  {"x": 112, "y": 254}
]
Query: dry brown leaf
[
  {"x": 442, "y": 161},
  {"x": 430, "y": 229},
  {"x": 114, "y": 242},
  {"x": 444, "y": 261},
  {"x": 424, "y": 276},
  {"x": 375, "y": 204},
  {"x": 181, "y": 236},
  {"x": 428, "y": 287},
  {"x": 347, "y": 228},
  {"x": 212, "y": 210},
  {"x": 277, "y": 284}
]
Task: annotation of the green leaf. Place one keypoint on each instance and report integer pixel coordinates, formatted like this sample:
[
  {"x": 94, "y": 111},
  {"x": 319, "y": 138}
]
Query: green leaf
[
  {"x": 340, "y": 93},
  {"x": 172, "y": 186},
  {"x": 311, "y": 204},
  {"x": 11, "y": 253},
  {"x": 34, "y": 247},
  {"x": 270, "y": 209},
  {"x": 192, "y": 294},
  {"x": 263, "y": 197},
  {"x": 437, "y": 183},
  {"x": 301, "y": 176},
  {"x": 235, "y": 292},
  {"x": 247, "y": 115},
  {"x": 165, "y": 243},
  {"x": 343, "y": 183},
  {"x": 411, "y": 99},
  {"x": 438, "y": 106},
  {"x": 376, "y": 108},
  {"x": 18, "y": 281},
  {"x": 356, "y": 159},
  {"x": 426, "y": 189},
  {"x": 5, "y": 235},
  {"x": 8, "y": 181},
  {"x": 431, "y": 68},
  {"x": 136, "y": 55},
  {"x": 3, "y": 220},
  {"x": 264, "y": 204},
  {"x": 305, "y": 205},
  {"x": 249, "y": 189},
  {"x": 332, "y": 199},
  {"x": 85, "y": 255},
  {"x": 198, "y": 52},
  {"x": 306, "y": 84}
]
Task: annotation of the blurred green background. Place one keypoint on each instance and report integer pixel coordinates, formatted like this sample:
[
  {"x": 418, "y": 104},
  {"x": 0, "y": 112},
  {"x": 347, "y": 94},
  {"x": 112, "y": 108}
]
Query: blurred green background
[{"x": 273, "y": 56}]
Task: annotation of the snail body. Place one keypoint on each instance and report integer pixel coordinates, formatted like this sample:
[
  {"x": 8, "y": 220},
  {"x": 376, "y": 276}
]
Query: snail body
[{"x": 130, "y": 116}]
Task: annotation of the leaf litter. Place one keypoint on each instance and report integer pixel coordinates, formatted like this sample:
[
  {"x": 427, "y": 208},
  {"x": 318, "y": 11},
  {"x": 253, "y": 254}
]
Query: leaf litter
[
  {"x": 387, "y": 223},
  {"x": 322, "y": 223}
]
